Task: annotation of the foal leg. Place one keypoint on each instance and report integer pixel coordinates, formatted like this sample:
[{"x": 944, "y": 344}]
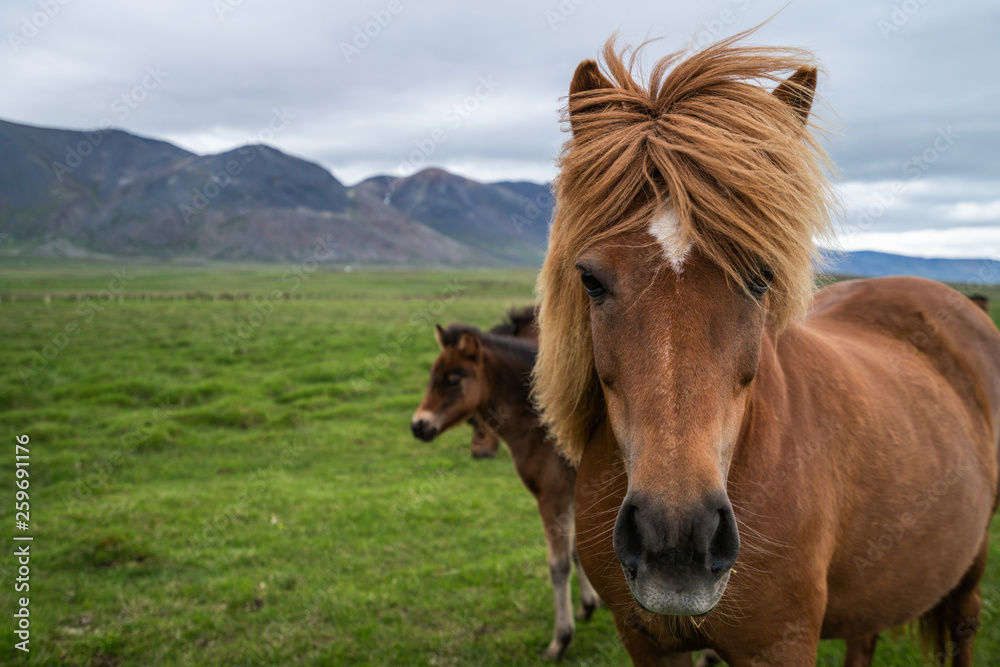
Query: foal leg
[
  {"x": 558, "y": 541},
  {"x": 589, "y": 599},
  {"x": 860, "y": 652}
]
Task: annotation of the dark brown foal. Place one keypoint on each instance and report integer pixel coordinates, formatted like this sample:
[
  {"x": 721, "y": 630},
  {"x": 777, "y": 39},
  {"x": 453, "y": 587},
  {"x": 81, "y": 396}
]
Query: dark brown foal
[{"x": 487, "y": 375}]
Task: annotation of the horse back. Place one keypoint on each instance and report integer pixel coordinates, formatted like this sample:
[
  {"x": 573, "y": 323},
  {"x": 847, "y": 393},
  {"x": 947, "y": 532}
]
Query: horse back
[{"x": 916, "y": 321}]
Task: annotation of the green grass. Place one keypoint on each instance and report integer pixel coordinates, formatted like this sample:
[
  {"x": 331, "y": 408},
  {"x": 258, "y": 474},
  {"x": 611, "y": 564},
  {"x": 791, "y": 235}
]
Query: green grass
[{"x": 210, "y": 486}]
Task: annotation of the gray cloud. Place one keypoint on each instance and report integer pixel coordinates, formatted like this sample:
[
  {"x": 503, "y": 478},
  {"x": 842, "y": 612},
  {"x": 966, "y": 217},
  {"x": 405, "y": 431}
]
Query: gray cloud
[{"x": 896, "y": 72}]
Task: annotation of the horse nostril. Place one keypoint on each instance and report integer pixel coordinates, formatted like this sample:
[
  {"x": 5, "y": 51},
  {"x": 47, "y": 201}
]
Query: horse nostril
[
  {"x": 423, "y": 430},
  {"x": 724, "y": 547},
  {"x": 627, "y": 539}
]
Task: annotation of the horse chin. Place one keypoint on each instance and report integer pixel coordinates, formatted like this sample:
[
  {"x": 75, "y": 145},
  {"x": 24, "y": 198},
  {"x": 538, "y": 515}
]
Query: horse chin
[{"x": 658, "y": 595}]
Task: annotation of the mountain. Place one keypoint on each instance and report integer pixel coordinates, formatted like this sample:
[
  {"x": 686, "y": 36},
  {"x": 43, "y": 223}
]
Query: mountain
[
  {"x": 69, "y": 193},
  {"x": 507, "y": 220},
  {"x": 865, "y": 263}
]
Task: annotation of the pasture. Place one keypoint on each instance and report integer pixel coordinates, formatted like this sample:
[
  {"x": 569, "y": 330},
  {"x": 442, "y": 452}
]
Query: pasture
[{"x": 233, "y": 481}]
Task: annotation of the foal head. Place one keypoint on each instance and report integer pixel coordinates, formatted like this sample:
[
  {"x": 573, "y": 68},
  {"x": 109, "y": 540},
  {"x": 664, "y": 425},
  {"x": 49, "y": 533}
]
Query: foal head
[
  {"x": 457, "y": 385},
  {"x": 687, "y": 210}
]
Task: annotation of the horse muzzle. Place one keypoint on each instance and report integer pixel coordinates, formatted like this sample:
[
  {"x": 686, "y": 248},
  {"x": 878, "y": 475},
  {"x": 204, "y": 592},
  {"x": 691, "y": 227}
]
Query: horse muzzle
[
  {"x": 677, "y": 561},
  {"x": 423, "y": 430}
]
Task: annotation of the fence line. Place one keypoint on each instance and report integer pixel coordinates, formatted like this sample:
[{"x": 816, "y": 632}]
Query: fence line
[{"x": 49, "y": 297}]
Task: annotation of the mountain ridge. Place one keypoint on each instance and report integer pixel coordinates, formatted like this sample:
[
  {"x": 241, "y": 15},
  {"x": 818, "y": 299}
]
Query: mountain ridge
[{"x": 108, "y": 192}]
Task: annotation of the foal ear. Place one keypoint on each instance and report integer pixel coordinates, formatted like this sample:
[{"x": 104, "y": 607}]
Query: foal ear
[
  {"x": 468, "y": 345},
  {"x": 798, "y": 91},
  {"x": 439, "y": 335},
  {"x": 586, "y": 78}
]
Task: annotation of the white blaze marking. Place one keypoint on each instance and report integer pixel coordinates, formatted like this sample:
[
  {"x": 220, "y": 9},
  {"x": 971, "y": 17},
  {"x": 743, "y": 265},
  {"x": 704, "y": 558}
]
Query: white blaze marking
[{"x": 666, "y": 229}]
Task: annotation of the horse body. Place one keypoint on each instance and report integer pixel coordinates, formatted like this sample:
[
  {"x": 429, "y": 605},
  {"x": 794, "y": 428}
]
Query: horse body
[
  {"x": 777, "y": 480},
  {"x": 925, "y": 479}
]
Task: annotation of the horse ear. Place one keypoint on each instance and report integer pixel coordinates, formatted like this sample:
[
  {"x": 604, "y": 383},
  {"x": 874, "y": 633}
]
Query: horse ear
[
  {"x": 798, "y": 91},
  {"x": 439, "y": 335},
  {"x": 468, "y": 345},
  {"x": 586, "y": 78}
]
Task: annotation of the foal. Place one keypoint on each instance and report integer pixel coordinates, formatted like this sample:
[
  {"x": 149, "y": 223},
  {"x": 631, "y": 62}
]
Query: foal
[
  {"x": 487, "y": 375},
  {"x": 520, "y": 323}
]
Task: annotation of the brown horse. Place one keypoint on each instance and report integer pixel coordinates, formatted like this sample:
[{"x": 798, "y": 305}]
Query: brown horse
[
  {"x": 488, "y": 375},
  {"x": 521, "y": 323},
  {"x": 752, "y": 479}
]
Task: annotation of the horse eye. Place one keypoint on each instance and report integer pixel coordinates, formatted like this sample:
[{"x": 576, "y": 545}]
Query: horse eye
[
  {"x": 759, "y": 285},
  {"x": 452, "y": 380},
  {"x": 592, "y": 285}
]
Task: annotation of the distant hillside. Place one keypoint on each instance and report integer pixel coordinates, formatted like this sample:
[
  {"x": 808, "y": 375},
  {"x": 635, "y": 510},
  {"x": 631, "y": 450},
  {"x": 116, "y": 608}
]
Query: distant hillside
[
  {"x": 874, "y": 264},
  {"x": 507, "y": 220},
  {"x": 69, "y": 193},
  {"x": 66, "y": 193}
]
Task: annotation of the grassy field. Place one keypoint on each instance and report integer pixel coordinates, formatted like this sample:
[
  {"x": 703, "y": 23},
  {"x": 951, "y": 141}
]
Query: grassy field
[{"x": 219, "y": 481}]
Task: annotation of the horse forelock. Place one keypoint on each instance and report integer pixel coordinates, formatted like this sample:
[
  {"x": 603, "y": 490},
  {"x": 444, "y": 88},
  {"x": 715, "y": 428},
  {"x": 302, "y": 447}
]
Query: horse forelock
[{"x": 704, "y": 146}]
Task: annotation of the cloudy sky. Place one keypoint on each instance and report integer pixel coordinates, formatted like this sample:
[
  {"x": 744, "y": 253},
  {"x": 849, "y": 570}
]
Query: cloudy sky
[{"x": 391, "y": 86}]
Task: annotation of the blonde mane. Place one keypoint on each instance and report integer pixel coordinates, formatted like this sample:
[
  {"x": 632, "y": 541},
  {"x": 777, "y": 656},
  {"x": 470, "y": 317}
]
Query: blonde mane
[{"x": 740, "y": 170}]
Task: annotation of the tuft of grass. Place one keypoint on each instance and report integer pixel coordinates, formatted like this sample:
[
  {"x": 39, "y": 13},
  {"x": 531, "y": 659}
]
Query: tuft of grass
[{"x": 103, "y": 549}]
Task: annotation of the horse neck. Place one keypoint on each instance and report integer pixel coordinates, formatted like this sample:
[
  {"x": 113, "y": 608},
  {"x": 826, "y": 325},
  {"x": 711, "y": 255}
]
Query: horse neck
[{"x": 507, "y": 407}]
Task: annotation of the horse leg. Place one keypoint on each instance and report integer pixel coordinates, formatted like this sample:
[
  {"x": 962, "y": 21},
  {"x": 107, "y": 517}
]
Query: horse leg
[
  {"x": 589, "y": 599},
  {"x": 861, "y": 651},
  {"x": 959, "y": 614},
  {"x": 558, "y": 542}
]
